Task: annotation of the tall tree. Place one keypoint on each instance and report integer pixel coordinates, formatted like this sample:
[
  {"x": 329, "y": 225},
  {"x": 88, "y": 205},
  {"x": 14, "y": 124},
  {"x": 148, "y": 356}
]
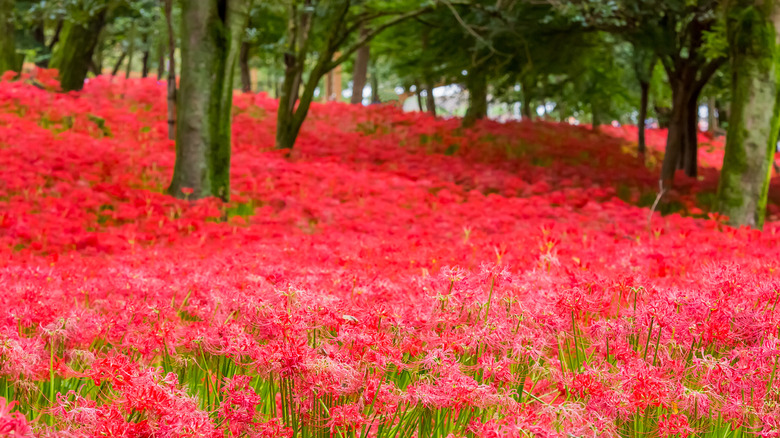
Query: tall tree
[
  {"x": 753, "y": 29},
  {"x": 80, "y": 33},
  {"x": 7, "y": 41},
  {"x": 212, "y": 32}
]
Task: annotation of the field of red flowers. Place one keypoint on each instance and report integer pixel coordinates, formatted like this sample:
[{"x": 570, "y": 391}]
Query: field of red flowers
[{"x": 396, "y": 276}]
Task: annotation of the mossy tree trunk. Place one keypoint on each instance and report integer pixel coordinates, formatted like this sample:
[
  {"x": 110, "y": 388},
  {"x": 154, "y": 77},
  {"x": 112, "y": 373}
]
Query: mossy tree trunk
[
  {"x": 476, "y": 83},
  {"x": 73, "y": 52},
  {"x": 7, "y": 41},
  {"x": 753, "y": 30},
  {"x": 211, "y": 33}
]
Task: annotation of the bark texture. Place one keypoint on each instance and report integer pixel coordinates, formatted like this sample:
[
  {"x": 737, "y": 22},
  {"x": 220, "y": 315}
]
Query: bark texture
[
  {"x": 75, "y": 47},
  {"x": 753, "y": 29},
  {"x": 211, "y": 39},
  {"x": 7, "y": 41}
]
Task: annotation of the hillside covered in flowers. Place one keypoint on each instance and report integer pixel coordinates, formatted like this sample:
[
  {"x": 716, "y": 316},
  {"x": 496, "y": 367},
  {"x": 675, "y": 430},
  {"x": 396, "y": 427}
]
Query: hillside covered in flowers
[{"x": 394, "y": 276}]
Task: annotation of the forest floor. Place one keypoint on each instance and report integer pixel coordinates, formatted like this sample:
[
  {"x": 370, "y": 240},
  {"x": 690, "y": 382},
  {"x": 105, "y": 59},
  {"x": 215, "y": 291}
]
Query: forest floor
[{"x": 397, "y": 276}]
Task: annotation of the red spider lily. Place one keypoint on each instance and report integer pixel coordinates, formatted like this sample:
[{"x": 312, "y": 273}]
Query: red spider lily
[{"x": 374, "y": 283}]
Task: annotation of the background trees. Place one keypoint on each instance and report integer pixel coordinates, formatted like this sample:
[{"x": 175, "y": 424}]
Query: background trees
[{"x": 593, "y": 61}]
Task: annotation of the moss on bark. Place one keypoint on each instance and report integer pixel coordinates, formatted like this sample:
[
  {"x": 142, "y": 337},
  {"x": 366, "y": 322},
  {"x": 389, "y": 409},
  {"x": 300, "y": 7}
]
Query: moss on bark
[
  {"x": 7, "y": 41},
  {"x": 755, "y": 107},
  {"x": 211, "y": 39},
  {"x": 77, "y": 41}
]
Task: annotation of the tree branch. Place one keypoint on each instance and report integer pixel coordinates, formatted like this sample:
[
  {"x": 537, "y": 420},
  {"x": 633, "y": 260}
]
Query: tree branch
[{"x": 370, "y": 35}]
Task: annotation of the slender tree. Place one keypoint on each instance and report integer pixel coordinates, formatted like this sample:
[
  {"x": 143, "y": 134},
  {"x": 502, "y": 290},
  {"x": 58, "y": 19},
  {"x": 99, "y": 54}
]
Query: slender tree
[
  {"x": 644, "y": 61},
  {"x": 324, "y": 29},
  {"x": 130, "y": 50},
  {"x": 753, "y": 28},
  {"x": 7, "y": 42},
  {"x": 243, "y": 60},
  {"x": 212, "y": 32},
  {"x": 360, "y": 72},
  {"x": 430, "y": 102},
  {"x": 168, "y": 11},
  {"x": 118, "y": 64},
  {"x": 145, "y": 57}
]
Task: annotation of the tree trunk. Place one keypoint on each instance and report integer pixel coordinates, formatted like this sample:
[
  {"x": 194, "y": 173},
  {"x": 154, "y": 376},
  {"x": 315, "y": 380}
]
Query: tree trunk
[
  {"x": 211, "y": 38},
  {"x": 118, "y": 64},
  {"x": 476, "y": 83},
  {"x": 75, "y": 47},
  {"x": 243, "y": 60},
  {"x": 145, "y": 57},
  {"x": 526, "y": 109},
  {"x": 430, "y": 100},
  {"x": 130, "y": 52},
  {"x": 360, "y": 72},
  {"x": 171, "y": 70},
  {"x": 690, "y": 163},
  {"x": 161, "y": 61},
  {"x": 145, "y": 64},
  {"x": 290, "y": 117},
  {"x": 595, "y": 116},
  {"x": 643, "y": 102},
  {"x": 375, "y": 88},
  {"x": 712, "y": 119},
  {"x": 681, "y": 142},
  {"x": 754, "y": 43},
  {"x": 418, "y": 93},
  {"x": 7, "y": 41}
]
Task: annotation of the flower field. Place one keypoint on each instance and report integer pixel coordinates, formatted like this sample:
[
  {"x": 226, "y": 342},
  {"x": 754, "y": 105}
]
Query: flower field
[{"x": 395, "y": 276}]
